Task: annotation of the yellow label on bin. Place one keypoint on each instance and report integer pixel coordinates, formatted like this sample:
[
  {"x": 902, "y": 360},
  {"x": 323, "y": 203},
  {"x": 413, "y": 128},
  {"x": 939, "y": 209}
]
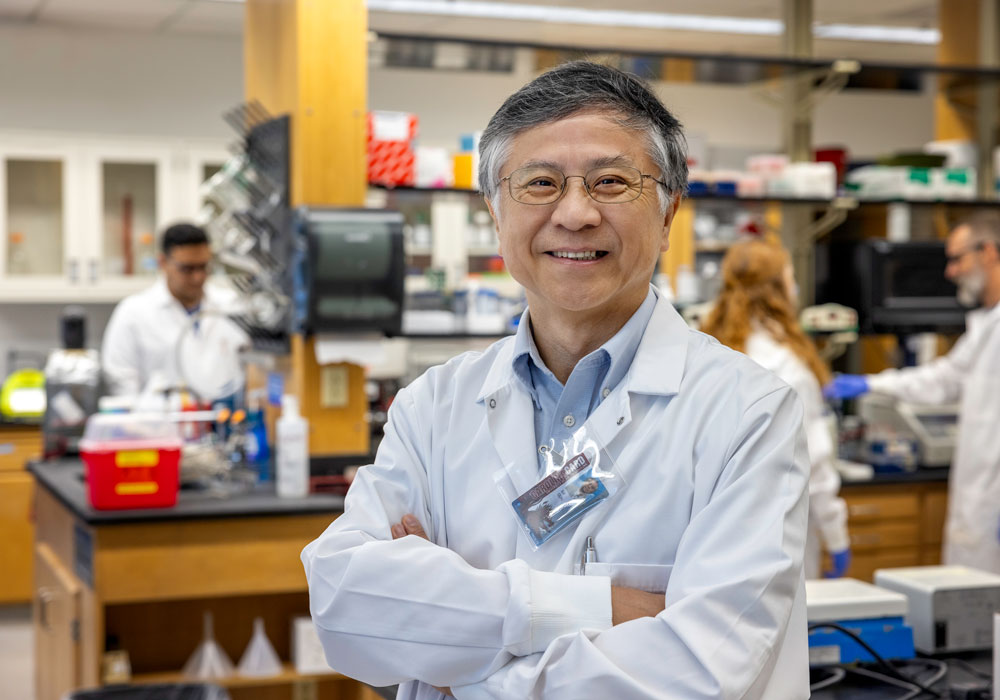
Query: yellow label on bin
[
  {"x": 136, "y": 488},
  {"x": 137, "y": 458}
]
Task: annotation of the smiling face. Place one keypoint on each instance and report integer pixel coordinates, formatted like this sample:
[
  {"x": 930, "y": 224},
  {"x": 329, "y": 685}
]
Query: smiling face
[{"x": 577, "y": 256}]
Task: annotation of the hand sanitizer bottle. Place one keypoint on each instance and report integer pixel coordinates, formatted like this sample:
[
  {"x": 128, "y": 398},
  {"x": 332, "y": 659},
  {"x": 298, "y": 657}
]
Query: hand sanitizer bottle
[{"x": 292, "y": 450}]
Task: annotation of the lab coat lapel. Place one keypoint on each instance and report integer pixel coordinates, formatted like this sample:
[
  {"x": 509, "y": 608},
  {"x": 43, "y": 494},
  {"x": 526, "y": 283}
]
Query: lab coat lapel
[{"x": 511, "y": 418}]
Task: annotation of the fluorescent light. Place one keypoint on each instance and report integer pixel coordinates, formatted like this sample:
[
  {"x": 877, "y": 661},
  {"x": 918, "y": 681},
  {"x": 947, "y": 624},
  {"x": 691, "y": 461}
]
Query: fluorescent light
[
  {"x": 573, "y": 15},
  {"x": 862, "y": 32},
  {"x": 648, "y": 20}
]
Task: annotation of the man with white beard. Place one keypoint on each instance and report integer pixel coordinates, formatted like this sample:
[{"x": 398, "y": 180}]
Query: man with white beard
[{"x": 970, "y": 373}]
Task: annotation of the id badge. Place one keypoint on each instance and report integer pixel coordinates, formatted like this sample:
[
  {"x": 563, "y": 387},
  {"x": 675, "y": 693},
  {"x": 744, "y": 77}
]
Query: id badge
[{"x": 579, "y": 476}]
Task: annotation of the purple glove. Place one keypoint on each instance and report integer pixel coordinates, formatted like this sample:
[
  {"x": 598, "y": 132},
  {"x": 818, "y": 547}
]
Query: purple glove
[
  {"x": 846, "y": 386},
  {"x": 841, "y": 562}
]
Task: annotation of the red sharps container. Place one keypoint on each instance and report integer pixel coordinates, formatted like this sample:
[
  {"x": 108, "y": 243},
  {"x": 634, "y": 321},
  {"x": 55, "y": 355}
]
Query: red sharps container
[{"x": 132, "y": 460}]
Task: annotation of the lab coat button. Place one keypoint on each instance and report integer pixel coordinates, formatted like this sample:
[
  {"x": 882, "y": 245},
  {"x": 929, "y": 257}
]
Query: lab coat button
[
  {"x": 621, "y": 419},
  {"x": 569, "y": 420},
  {"x": 605, "y": 392}
]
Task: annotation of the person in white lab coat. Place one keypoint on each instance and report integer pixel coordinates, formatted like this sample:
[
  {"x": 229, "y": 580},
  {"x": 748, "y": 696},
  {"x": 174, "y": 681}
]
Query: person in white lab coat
[
  {"x": 176, "y": 330},
  {"x": 755, "y": 314},
  {"x": 970, "y": 373},
  {"x": 697, "y": 592}
]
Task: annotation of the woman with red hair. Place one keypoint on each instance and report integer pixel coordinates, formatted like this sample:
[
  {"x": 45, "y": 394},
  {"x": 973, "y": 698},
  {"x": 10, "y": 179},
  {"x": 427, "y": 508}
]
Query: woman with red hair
[{"x": 755, "y": 314}]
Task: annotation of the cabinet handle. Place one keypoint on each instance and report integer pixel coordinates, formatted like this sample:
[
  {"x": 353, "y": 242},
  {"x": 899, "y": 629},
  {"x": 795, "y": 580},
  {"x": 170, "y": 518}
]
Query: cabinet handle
[
  {"x": 45, "y": 596},
  {"x": 94, "y": 266},
  {"x": 74, "y": 270},
  {"x": 864, "y": 509}
]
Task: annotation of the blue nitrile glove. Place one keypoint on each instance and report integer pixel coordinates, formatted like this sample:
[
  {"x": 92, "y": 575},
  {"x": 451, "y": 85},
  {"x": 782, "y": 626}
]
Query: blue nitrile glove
[
  {"x": 846, "y": 386},
  {"x": 841, "y": 560}
]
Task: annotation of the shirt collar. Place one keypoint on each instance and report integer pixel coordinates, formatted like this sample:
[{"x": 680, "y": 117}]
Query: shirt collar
[{"x": 648, "y": 352}]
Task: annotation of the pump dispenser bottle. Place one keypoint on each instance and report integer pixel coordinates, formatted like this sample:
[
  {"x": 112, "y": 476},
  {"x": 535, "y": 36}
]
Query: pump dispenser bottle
[{"x": 292, "y": 448}]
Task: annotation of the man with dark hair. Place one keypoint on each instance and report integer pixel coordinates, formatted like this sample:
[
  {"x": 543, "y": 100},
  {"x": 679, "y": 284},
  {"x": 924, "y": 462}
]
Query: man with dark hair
[
  {"x": 143, "y": 337},
  {"x": 969, "y": 374},
  {"x": 687, "y": 583}
]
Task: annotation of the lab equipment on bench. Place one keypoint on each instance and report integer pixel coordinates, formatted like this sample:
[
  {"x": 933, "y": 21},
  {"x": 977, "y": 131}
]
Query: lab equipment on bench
[
  {"x": 874, "y": 614},
  {"x": 22, "y": 394},
  {"x": 933, "y": 428},
  {"x": 73, "y": 387},
  {"x": 950, "y": 607}
]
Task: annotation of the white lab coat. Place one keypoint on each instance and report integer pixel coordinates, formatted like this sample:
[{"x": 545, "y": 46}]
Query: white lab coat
[
  {"x": 970, "y": 373},
  {"x": 714, "y": 514},
  {"x": 142, "y": 339},
  {"x": 827, "y": 511}
]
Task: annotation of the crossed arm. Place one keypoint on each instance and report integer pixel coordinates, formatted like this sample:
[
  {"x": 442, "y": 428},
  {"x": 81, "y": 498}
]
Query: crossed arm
[{"x": 626, "y": 603}]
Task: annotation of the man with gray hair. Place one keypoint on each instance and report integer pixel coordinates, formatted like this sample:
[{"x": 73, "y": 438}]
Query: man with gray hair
[
  {"x": 970, "y": 373},
  {"x": 677, "y": 573}
]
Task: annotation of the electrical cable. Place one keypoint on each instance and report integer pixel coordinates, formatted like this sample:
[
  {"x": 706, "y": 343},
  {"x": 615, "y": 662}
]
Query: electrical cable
[
  {"x": 891, "y": 671},
  {"x": 836, "y": 675},
  {"x": 972, "y": 670},
  {"x": 942, "y": 671}
]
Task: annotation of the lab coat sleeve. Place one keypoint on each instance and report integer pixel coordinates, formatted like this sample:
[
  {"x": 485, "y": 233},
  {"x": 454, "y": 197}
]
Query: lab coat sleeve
[
  {"x": 826, "y": 509},
  {"x": 729, "y": 600},
  {"x": 937, "y": 382},
  {"x": 389, "y": 611},
  {"x": 120, "y": 354}
]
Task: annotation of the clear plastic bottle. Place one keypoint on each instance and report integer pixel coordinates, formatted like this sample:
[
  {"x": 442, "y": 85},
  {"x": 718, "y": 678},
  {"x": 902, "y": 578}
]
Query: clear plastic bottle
[{"x": 292, "y": 447}]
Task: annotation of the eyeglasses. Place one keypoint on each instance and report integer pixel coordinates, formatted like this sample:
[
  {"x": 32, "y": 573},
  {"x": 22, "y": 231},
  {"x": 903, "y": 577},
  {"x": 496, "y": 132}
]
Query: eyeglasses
[
  {"x": 610, "y": 185},
  {"x": 951, "y": 259},
  {"x": 191, "y": 268}
]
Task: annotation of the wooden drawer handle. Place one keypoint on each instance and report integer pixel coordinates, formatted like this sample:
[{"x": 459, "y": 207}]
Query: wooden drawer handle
[{"x": 864, "y": 509}]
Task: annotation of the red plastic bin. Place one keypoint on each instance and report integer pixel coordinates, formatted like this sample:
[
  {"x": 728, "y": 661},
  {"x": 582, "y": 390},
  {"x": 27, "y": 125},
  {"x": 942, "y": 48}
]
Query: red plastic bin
[{"x": 132, "y": 461}]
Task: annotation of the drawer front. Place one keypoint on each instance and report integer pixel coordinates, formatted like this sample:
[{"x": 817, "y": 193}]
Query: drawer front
[
  {"x": 867, "y": 507},
  {"x": 883, "y": 535},
  {"x": 935, "y": 511},
  {"x": 864, "y": 564},
  {"x": 17, "y": 448},
  {"x": 18, "y": 537}
]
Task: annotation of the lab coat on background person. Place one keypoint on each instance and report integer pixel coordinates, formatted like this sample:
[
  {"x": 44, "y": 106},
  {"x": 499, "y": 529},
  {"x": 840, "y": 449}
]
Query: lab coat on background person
[
  {"x": 968, "y": 374},
  {"x": 478, "y": 609},
  {"x": 176, "y": 332},
  {"x": 755, "y": 314},
  {"x": 827, "y": 510},
  {"x": 150, "y": 332}
]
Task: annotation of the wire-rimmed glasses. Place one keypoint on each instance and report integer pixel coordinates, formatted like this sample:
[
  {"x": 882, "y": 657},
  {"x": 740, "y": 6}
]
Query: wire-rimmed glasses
[{"x": 608, "y": 185}]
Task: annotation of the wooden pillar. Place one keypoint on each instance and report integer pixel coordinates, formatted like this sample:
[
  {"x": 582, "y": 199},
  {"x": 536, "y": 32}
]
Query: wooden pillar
[
  {"x": 963, "y": 108},
  {"x": 309, "y": 59}
]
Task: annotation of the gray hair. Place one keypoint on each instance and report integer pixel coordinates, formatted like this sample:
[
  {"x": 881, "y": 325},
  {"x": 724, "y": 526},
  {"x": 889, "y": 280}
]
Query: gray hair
[
  {"x": 984, "y": 228},
  {"x": 580, "y": 86}
]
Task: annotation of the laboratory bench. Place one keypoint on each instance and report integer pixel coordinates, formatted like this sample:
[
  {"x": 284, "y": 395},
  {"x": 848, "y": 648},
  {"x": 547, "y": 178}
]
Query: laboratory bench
[
  {"x": 860, "y": 687},
  {"x": 19, "y": 442},
  {"x": 140, "y": 581}
]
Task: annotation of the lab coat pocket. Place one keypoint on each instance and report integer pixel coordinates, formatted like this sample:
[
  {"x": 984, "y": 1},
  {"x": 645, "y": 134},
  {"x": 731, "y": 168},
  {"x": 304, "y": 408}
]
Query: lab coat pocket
[{"x": 651, "y": 578}]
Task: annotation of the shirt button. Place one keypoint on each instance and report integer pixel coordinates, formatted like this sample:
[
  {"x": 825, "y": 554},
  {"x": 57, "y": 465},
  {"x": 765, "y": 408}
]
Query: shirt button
[
  {"x": 605, "y": 392},
  {"x": 493, "y": 403},
  {"x": 621, "y": 419},
  {"x": 543, "y": 449},
  {"x": 569, "y": 420}
]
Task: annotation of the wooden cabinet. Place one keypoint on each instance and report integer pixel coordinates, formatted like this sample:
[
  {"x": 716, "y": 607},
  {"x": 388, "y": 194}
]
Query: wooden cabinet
[
  {"x": 18, "y": 444},
  {"x": 57, "y": 626},
  {"x": 144, "y": 586},
  {"x": 893, "y": 525}
]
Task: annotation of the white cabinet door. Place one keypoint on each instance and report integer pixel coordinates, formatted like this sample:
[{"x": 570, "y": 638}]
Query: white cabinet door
[
  {"x": 127, "y": 187},
  {"x": 41, "y": 227}
]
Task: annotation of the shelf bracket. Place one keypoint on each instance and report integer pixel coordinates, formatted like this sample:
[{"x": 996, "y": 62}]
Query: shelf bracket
[
  {"x": 824, "y": 82},
  {"x": 834, "y": 216}
]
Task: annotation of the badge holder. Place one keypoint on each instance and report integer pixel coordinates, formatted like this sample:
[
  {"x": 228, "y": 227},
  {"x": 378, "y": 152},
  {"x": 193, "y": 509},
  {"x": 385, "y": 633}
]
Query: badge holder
[{"x": 579, "y": 475}]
